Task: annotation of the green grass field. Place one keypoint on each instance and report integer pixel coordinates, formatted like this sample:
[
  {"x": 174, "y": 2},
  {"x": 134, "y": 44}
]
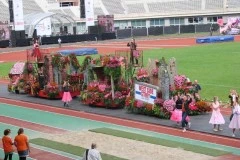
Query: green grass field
[
  {"x": 162, "y": 142},
  {"x": 5, "y": 68},
  {"x": 74, "y": 150},
  {"x": 215, "y": 66}
]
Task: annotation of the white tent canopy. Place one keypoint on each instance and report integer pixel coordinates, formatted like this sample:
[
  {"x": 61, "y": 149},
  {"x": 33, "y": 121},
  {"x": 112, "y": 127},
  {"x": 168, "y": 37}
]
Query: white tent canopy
[{"x": 31, "y": 20}]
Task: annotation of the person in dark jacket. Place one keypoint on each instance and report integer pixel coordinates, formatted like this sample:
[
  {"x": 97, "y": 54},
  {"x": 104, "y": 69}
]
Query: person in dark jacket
[{"x": 185, "y": 111}]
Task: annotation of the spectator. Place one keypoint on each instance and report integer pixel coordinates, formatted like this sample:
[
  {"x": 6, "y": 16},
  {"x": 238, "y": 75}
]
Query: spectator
[
  {"x": 22, "y": 144},
  {"x": 7, "y": 144},
  {"x": 92, "y": 154},
  {"x": 185, "y": 111},
  {"x": 59, "y": 42},
  {"x": 196, "y": 87}
]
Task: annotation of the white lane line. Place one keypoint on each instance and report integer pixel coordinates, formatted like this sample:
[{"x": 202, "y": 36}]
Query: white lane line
[
  {"x": 125, "y": 120},
  {"x": 50, "y": 150},
  {"x": 34, "y": 123}
]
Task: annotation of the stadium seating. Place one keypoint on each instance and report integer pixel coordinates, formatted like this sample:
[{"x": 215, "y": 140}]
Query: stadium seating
[
  {"x": 214, "y": 4},
  {"x": 30, "y": 6},
  {"x": 4, "y": 12},
  {"x": 136, "y": 8},
  {"x": 98, "y": 11},
  {"x": 233, "y": 4},
  {"x": 114, "y": 6}
]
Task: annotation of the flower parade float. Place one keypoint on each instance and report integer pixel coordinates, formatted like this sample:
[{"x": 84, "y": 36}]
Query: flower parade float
[
  {"x": 156, "y": 98},
  {"x": 106, "y": 85},
  {"x": 50, "y": 71},
  {"x": 18, "y": 77}
]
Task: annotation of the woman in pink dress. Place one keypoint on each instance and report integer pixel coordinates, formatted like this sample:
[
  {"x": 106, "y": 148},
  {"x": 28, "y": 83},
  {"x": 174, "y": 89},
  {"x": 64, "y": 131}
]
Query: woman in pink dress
[
  {"x": 36, "y": 50},
  {"x": 66, "y": 94},
  {"x": 216, "y": 118},
  {"x": 235, "y": 122},
  {"x": 177, "y": 113}
]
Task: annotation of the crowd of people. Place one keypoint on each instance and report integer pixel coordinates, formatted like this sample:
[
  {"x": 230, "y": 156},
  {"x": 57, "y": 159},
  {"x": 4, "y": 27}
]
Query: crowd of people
[{"x": 180, "y": 113}]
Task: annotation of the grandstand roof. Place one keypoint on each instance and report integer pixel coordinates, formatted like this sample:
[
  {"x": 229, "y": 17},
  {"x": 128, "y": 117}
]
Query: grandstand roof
[{"x": 32, "y": 19}]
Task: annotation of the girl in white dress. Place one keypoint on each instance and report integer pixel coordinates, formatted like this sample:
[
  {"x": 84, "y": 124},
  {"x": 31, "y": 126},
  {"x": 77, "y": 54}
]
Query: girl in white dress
[
  {"x": 235, "y": 122},
  {"x": 216, "y": 118}
]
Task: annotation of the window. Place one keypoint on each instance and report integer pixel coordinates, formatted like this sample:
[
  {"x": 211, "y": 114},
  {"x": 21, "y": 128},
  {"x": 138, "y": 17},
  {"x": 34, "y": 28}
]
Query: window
[
  {"x": 138, "y": 23},
  {"x": 195, "y": 20},
  {"x": 120, "y": 24},
  {"x": 213, "y": 19},
  {"x": 176, "y": 21},
  {"x": 157, "y": 22}
]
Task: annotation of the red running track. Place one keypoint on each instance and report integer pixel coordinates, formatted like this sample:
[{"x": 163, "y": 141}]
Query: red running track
[
  {"x": 228, "y": 141},
  {"x": 31, "y": 125},
  {"x": 39, "y": 154}
]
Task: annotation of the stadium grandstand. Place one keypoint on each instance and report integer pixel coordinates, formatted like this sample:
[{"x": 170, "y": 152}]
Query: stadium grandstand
[
  {"x": 136, "y": 13},
  {"x": 167, "y": 16}
]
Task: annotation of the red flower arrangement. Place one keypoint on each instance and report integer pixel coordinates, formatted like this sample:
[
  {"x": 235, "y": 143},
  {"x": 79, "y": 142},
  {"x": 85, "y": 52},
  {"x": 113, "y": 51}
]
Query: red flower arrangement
[
  {"x": 52, "y": 90},
  {"x": 142, "y": 75}
]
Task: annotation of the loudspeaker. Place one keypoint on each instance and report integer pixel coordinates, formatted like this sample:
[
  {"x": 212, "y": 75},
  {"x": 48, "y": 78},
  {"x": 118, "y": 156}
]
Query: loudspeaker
[
  {"x": 10, "y": 4},
  {"x": 74, "y": 30},
  {"x": 13, "y": 39},
  {"x": 61, "y": 30},
  {"x": 82, "y": 9},
  {"x": 65, "y": 29},
  {"x": 96, "y": 29},
  {"x": 35, "y": 34}
]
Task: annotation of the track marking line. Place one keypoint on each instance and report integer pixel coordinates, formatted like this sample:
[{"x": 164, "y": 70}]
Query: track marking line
[
  {"x": 133, "y": 122},
  {"x": 35, "y": 123}
]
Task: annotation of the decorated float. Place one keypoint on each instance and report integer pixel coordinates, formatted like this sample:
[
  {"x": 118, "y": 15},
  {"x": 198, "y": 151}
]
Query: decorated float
[
  {"x": 47, "y": 72},
  {"x": 108, "y": 79},
  {"x": 154, "y": 89},
  {"x": 17, "y": 76}
]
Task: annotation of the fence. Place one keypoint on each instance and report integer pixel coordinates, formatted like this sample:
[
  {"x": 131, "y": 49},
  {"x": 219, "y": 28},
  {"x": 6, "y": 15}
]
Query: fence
[{"x": 162, "y": 30}]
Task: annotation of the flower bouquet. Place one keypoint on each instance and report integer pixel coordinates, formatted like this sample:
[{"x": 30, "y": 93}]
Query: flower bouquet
[
  {"x": 136, "y": 54},
  {"x": 179, "y": 81},
  {"x": 142, "y": 75},
  {"x": 169, "y": 105},
  {"x": 52, "y": 90},
  {"x": 74, "y": 61}
]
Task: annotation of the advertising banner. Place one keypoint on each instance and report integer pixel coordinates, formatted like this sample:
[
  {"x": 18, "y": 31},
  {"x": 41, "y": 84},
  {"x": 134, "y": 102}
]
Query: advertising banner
[
  {"x": 4, "y": 32},
  {"x": 18, "y": 15},
  {"x": 106, "y": 21},
  {"x": 145, "y": 93},
  {"x": 89, "y": 13}
]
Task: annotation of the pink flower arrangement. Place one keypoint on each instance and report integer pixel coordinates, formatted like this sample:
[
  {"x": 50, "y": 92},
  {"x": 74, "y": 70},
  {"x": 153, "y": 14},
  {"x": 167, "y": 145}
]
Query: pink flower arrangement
[
  {"x": 142, "y": 73},
  {"x": 159, "y": 102},
  {"x": 169, "y": 105},
  {"x": 113, "y": 63},
  {"x": 102, "y": 87},
  {"x": 122, "y": 61},
  {"x": 136, "y": 54},
  {"x": 140, "y": 104},
  {"x": 155, "y": 72},
  {"x": 179, "y": 80},
  {"x": 193, "y": 106}
]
